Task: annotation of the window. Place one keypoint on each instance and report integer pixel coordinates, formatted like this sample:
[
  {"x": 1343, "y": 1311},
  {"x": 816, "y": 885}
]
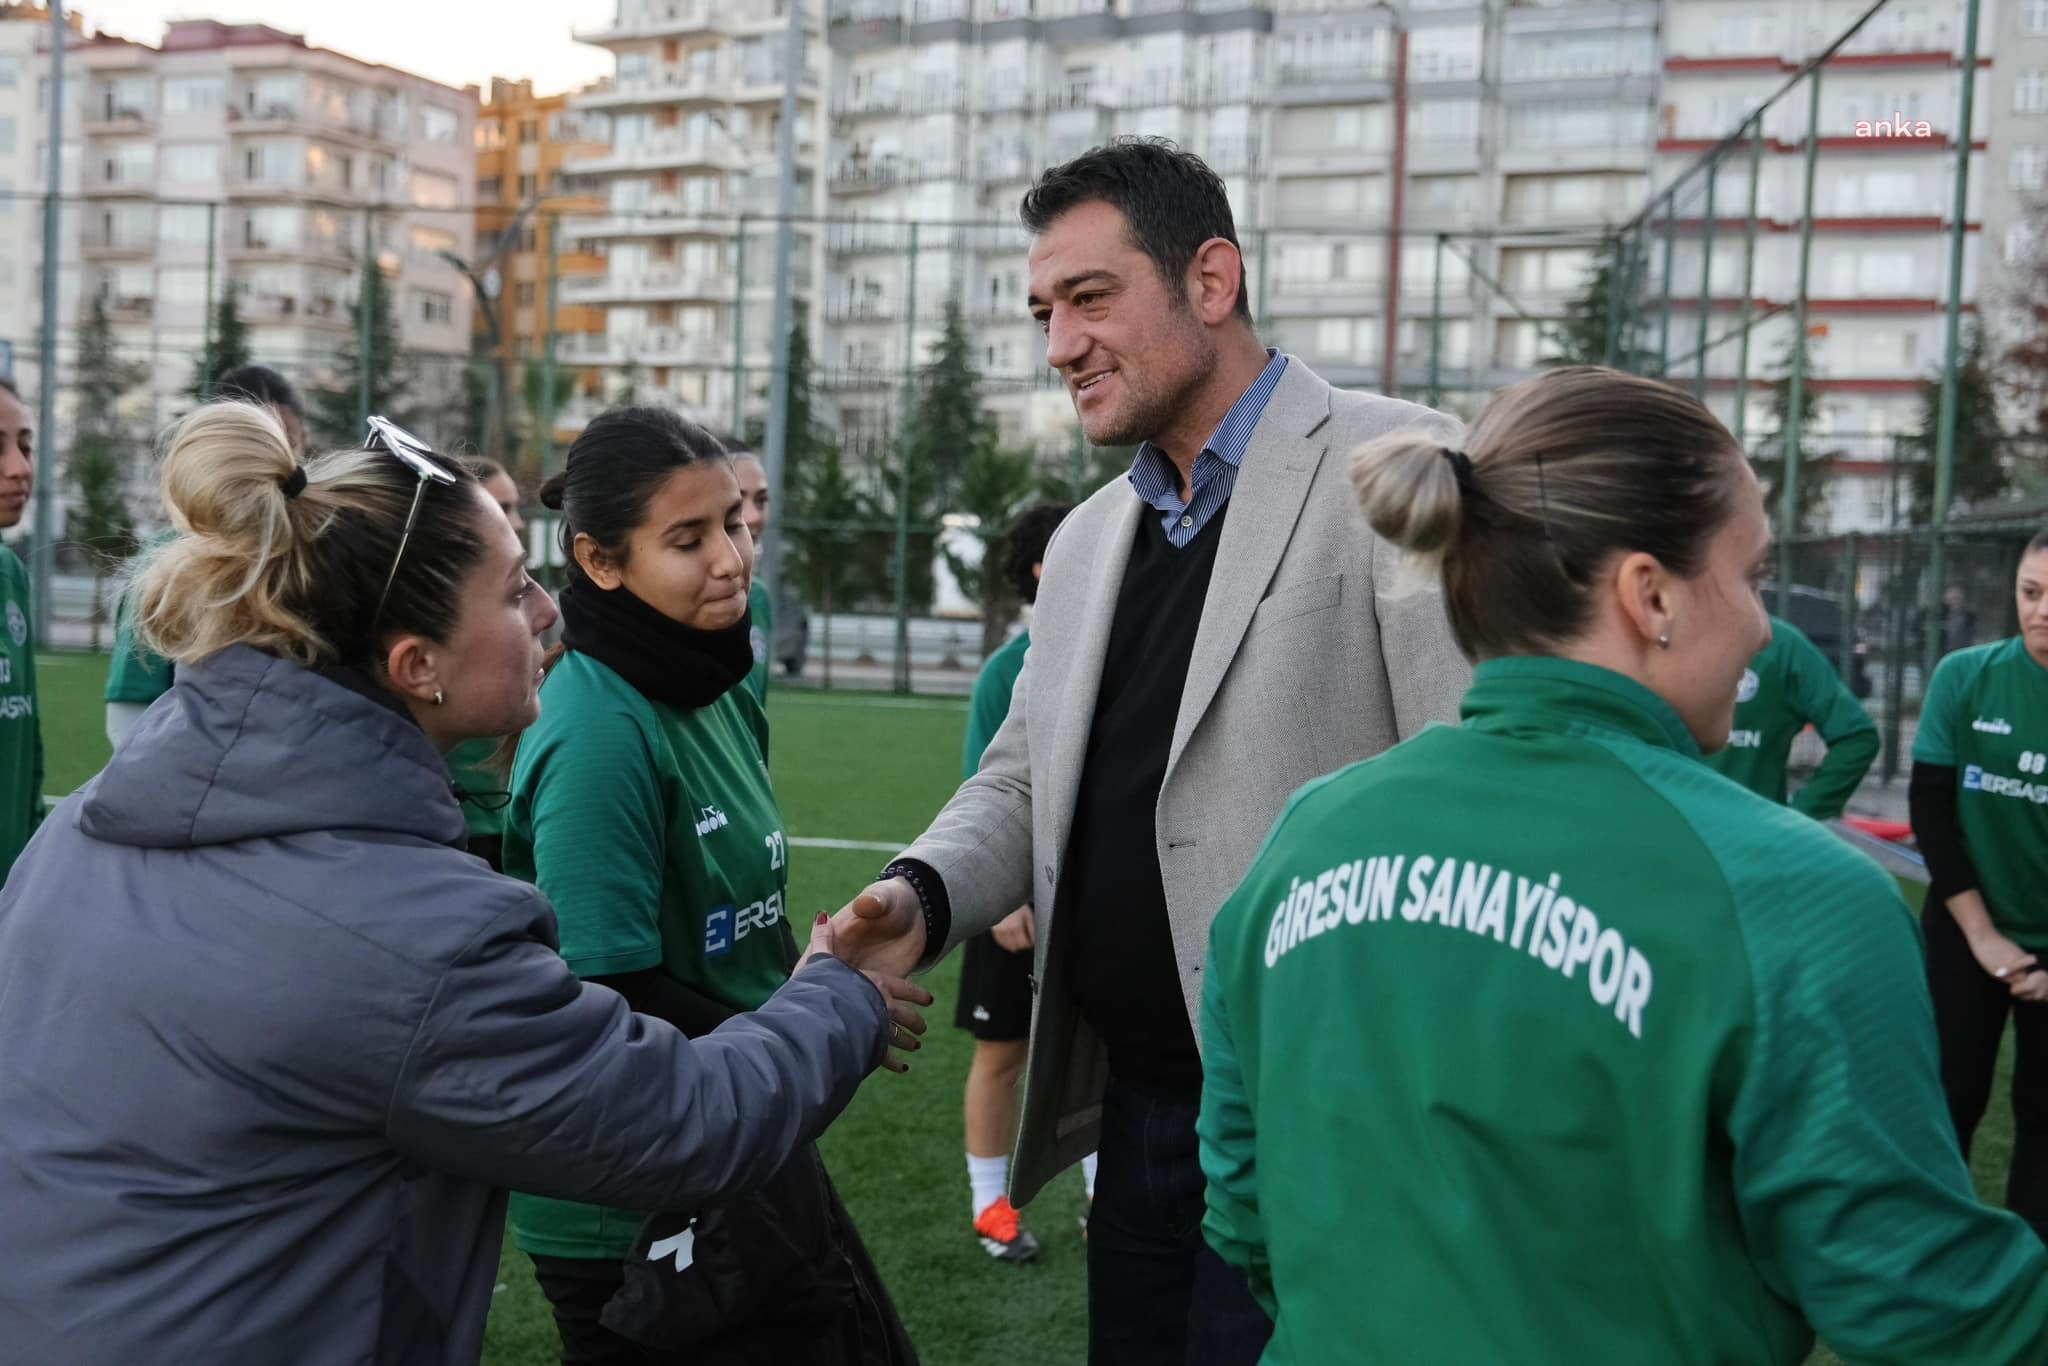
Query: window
[
  {"x": 490, "y": 135},
  {"x": 438, "y": 124},
  {"x": 528, "y": 187},
  {"x": 432, "y": 190},
  {"x": 2029, "y": 168},
  {"x": 489, "y": 188},
  {"x": 2019, "y": 243},
  {"x": 2034, "y": 17},
  {"x": 529, "y": 239},
  {"x": 189, "y": 163},
  {"x": 522, "y": 296},
  {"x": 272, "y": 163},
  {"x": 182, "y": 225},
  {"x": 2030, "y": 93},
  {"x": 273, "y": 228},
  {"x": 435, "y": 308},
  {"x": 273, "y": 97},
  {"x": 193, "y": 95},
  {"x": 182, "y": 285},
  {"x": 6, "y": 137},
  {"x": 10, "y": 70},
  {"x": 529, "y": 131},
  {"x": 429, "y": 243}
]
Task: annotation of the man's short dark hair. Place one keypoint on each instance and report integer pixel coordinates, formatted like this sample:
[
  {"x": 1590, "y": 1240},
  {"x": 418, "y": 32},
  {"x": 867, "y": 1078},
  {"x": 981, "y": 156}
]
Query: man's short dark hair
[
  {"x": 260, "y": 384},
  {"x": 1170, "y": 198},
  {"x": 1025, "y": 542}
]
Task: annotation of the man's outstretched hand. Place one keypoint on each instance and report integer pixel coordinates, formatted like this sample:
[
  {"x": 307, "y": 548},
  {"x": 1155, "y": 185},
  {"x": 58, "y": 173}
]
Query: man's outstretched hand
[
  {"x": 882, "y": 929},
  {"x": 902, "y": 996}
]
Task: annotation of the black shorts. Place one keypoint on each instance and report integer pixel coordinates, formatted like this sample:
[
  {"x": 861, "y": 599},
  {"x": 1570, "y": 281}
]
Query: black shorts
[{"x": 995, "y": 992}]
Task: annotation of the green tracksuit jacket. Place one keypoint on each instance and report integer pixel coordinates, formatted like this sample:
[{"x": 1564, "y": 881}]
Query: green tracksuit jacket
[
  {"x": 1538, "y": 1041},
  {"x": 1786, "y": 688}
]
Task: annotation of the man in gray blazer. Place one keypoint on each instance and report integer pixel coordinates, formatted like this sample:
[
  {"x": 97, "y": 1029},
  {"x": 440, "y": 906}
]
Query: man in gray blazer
[{"x": 1212, "y": 632}]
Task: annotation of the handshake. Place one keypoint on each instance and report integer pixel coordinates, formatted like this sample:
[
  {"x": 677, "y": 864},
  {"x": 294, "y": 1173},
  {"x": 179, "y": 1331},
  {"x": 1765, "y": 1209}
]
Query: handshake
[{"x": 881, "y": 933}]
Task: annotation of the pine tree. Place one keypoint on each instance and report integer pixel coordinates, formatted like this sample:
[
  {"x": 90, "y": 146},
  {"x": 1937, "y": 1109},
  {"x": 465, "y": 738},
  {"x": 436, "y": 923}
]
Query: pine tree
[
  {"x": 102, "y": 446},
  {"x": 336, "y": 414},
  {"x": 948, "y": 425},
  {"x": 2023, "y": 367},
  {"x": 1979, "y": 468},
  {"x": 533, "y": 387},
  {"x": 227, "y": 350},
  {"x": 1596, "y": 314},
  {"x": 1769, "y": 457},
  {"x": 995, "y": 485}
]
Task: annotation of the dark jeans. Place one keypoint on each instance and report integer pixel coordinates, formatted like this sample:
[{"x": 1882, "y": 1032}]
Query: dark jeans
[
  {"x": 1970, "y": 1008},
  {"x": 1158, "y": 1295},
  {"x": 578, "y": 1289}
]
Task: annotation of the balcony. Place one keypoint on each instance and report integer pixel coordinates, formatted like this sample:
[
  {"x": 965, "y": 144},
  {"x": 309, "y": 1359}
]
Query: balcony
[
  {"x": 255, "y": 244},
  {"x": 1298, "y": 83},
  {"x": 760, "y": 84},
  {"x": 661, "y": 284},
  {"x": 662, "y": 217},
  {"x": 652, "y": 19},
  {"x": 665, "y": 151},
  {"x": 114, "y": 117},
  {"x": 119, "y": 179},
  {"x": 586, "y": 348},
  {"x": 868, "y": 377},
  {"x": 864, "y": 11},
  {"x": 1327, "y": 161},
  {"x": 867, "y": 239},
  {"x": 129, "y": 308},
  {"x": 707, "y": 87},
  {"x": 674, "y": 348},
  {"x": 101, "y": 240}
]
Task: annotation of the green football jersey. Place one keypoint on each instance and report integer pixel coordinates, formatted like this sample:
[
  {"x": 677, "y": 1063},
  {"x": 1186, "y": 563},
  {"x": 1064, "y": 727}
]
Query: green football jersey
[{"x": 1986, "y": 716}]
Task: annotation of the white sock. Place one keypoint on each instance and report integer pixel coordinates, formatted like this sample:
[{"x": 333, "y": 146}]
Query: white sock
[
  {"x": 990, "y": 1178},
  {"x": 1088, "y": 1173}
]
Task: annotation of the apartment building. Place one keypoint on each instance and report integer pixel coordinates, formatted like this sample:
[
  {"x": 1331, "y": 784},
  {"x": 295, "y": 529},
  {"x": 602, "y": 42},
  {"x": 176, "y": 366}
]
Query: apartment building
[
  {"x": 524, "y": 194},
  {"x": 237, "y": 156},
  {"x": 1882, "y": 214},
  {"x": 2016, "y": 200},
  {"x": 689, "y": 181},
  {"x": 24, "y": 171},
  {"x": 1501, "y": 117}
]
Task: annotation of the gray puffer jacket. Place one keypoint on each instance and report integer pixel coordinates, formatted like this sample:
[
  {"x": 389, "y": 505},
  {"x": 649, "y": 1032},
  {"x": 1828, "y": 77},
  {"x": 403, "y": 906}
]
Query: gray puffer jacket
[{"x": 272, "y": 1047}]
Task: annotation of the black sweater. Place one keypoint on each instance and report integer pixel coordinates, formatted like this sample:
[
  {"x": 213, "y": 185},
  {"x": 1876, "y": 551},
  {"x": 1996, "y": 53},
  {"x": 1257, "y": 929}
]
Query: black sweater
[{"x": 1112, "y": 904}]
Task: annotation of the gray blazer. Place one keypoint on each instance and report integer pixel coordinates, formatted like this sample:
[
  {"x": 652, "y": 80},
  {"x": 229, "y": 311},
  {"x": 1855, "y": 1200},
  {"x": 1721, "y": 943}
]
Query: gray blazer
[{"x": 1319, "y": 645}]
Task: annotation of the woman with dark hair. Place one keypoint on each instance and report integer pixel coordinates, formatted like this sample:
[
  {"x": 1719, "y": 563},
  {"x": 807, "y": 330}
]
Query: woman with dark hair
[
  {"x": 642, "y": 807},
  {"x": 1980, "y": 814},
  {"x": 1578, "y": 1050},
  {"x": 137, "y": 675},
  {"x": 271, "y": 1044}
]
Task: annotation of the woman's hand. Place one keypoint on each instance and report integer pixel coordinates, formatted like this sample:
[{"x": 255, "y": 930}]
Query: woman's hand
[
  {"x": 2002, "y": 958},
  {"x": 903, "y": 996}
]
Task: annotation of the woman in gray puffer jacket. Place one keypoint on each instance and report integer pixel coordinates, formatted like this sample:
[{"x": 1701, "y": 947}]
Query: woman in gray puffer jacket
[{"x": 271, "y": 1044}]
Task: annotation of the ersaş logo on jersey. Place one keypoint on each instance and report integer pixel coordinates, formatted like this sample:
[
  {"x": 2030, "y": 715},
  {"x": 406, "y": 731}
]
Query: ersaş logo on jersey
[
  {"x": 718, "y": 937},
  {"x": 1746, "y": 690},
  {"x": 1973, "y": 778},
  {"x": 17, "y": 623}
]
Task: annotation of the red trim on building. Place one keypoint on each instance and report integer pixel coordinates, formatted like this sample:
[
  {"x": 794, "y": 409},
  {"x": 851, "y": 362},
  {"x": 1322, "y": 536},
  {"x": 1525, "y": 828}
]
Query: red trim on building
[
  {"x": 1868, "y": 59},
  {"x": 1712, "y": 64}
]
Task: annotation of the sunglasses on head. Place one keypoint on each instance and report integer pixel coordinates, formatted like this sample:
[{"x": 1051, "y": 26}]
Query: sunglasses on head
[{"x": 419, "y": 457}]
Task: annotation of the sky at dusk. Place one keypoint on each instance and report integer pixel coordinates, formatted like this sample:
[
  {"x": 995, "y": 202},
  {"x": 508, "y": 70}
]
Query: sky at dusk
[{"x": 459, "y": 42}]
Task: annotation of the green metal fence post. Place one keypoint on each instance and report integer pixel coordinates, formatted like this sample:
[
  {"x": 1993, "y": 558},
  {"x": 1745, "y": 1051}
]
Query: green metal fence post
[
  {"x": 1945, "y": 416},
  {"x": 1788, "y": 503},
  {"x": 904, "y": 443},
  {"x": 212, "y": 247},
  {"x": 1670, "y": 250},
  {"x": 365, "y": 362},
  {"x": 739, "y": 334},
  {"x": 1851, "y": 547},
  {"x": 1756, "y": 163},
  {"x": 1706, "y": 282},
  {"x": 1436, "y": 328},
  {"x": 547, "y": 359}
]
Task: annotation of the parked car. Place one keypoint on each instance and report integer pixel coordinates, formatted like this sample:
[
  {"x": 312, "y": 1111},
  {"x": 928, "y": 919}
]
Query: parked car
[{"x": 1819, "y": 614}]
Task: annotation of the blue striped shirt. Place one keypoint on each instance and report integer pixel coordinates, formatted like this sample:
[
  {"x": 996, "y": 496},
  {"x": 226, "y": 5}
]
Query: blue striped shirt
[{"x": 1158, "y": 482}]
